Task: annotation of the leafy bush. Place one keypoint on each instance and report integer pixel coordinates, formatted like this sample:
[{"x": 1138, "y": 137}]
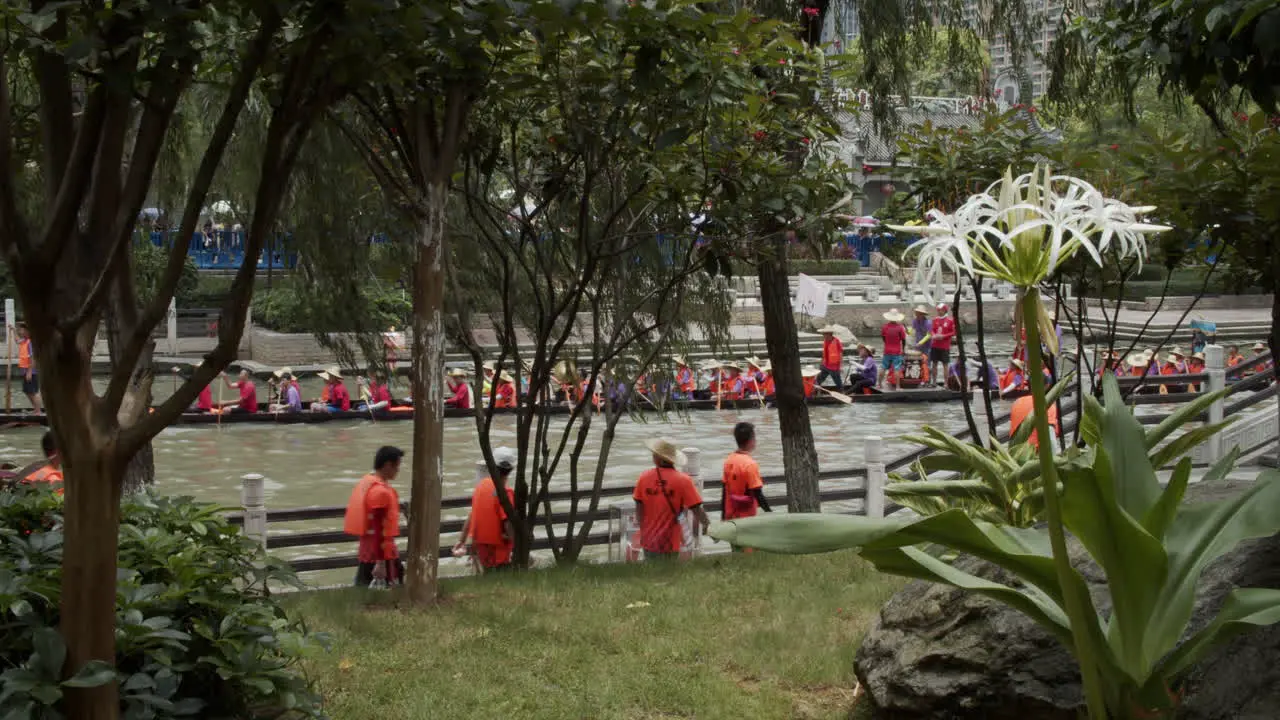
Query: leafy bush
[
  {"x": 149, "y": 263},
  {"x": 197, "y": 634},
  {"x": 295, "y": 309}
]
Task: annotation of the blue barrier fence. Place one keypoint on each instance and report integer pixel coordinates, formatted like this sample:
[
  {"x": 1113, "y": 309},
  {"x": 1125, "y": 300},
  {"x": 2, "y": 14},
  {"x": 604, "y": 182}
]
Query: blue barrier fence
[
  {"x": 224, "y": 250},
  {"x": 864, "y": 245}
]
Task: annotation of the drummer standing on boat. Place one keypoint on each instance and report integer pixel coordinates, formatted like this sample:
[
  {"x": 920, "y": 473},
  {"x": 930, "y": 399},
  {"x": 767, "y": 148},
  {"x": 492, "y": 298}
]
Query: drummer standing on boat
[
  {"x": 942, "y": 331},
  {"x": 895, "y": 340},
  {"x": 27, "y": 366},
  {"x": 832, "y": 357}
]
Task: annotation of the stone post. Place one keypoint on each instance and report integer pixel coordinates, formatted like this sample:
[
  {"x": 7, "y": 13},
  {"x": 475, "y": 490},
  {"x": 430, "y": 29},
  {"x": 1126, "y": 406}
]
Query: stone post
[
  {"x": 871, "y": 293},
  {"x": 1002, "y": 291},
  {"x": 837, "y": 295},
  {"x": 253, "y": 500},
  {"x": 1215, "y": 367},
  {"x": 692, "y": 530},
  {"x": 873, "y": 505},
  {"x": 966, "y": 291}
]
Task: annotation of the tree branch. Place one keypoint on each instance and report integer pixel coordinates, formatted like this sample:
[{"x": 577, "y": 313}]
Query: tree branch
[{"x": 14, "y": 241}]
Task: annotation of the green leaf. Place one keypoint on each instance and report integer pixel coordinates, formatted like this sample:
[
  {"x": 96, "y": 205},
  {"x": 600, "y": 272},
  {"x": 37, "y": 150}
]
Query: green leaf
[
  {"x": 51, "y": 651},
  {"x": 1166, "y": 508},
  {"x": 1186, "y": 442},
  {"x": 915, "y": 563},
  {"x": 94, "y": 674},
  {"x": 671, "y": 137},
  {"x": 1134, "y": 561},
  {"x": 1125, "y": 442},
  {"x": 1200, "y": 534},
  {"x": 1244, "y": 609},
  {"x": 1024, "y": 552},
  {"x": 951, "y": 489},
  {"x": 1181, "y": 416}
]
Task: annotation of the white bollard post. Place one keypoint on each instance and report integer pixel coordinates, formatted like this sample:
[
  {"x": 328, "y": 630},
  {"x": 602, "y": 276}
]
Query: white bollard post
[
  {"x": 253, "y": 500},
  {"x": 1215, "y": 367},
  {"x": 692, "y": 532},
  {"x": 871, "y": 293},
  {"x": 837, "y": 296},
  {"x": 172, "y": 329},
  {"x": 873, "y": 505}
]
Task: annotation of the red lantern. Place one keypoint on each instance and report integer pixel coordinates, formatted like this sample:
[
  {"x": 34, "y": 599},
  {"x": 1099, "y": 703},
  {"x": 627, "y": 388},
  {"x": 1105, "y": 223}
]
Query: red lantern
[{"x": 888, "y": 188}]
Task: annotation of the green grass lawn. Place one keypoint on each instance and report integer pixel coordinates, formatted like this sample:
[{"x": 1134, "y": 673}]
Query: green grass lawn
[{"x": 730, "y": 637}]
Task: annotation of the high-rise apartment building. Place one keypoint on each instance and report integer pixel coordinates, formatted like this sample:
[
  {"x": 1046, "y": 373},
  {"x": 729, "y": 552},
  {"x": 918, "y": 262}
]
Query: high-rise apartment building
[{"x": 841, "y": 28}]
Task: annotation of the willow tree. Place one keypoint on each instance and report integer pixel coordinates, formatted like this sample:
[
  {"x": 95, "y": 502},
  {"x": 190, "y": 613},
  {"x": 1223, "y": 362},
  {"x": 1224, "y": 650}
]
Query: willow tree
[
  {"x": 87, "y": 98},
  {"x": 578, "y": 192}
]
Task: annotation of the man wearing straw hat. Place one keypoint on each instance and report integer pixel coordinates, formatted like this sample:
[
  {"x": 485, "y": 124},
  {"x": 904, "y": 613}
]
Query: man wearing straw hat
[
  {"x": 662, "y": 493},
  {"x": 459, "y": 390},
  {"x": 832, "y": 357},
  {"x": 339, "y": 396},
  {"x": 490, "y": 532},
  {"x": 921, "y": 330},
  {"x": 290, "y": 398},
  {"x": 895, "y": 340}
]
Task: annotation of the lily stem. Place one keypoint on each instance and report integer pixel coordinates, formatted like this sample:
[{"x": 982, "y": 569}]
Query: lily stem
[{"x": 1080, "y": 616}]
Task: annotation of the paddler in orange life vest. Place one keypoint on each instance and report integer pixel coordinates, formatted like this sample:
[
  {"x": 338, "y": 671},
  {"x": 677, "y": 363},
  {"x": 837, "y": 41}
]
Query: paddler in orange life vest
[
  {"x": 373, "y": 515},
  {"x": 488, "y": 533},
  {"x": 686, "y": 383},
  {"x": 753, "y": 381},
  {"x": 51, "y": 471},
  {"x": 27, "y": 366},
  {"x": 810, "y": 377},
  {"x": 731, "y": 382},
  {"x": 505, "y": 396}
]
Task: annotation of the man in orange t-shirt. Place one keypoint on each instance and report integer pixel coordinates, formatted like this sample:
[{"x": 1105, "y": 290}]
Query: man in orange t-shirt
[
  {"x": 373, "y": 515},
  {"x": 661, "y": 494},
  {"x": 492, "y": 536},
  {"x": 743, "y": 490}
]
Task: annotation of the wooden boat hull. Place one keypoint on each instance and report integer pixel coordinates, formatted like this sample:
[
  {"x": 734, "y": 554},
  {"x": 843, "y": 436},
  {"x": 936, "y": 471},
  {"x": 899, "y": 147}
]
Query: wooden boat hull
[{"x": 672, "y": 406}]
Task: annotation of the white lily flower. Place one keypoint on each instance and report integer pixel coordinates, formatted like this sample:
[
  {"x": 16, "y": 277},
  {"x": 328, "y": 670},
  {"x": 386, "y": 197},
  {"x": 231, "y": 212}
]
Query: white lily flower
[{"x": 1021, "y": 230}]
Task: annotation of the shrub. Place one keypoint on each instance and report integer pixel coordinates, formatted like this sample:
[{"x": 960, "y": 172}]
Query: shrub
[
  {"x": 808, "y": 267},
  {"x": 294, "y": 309},
  {"x": 197, "y": 633}
]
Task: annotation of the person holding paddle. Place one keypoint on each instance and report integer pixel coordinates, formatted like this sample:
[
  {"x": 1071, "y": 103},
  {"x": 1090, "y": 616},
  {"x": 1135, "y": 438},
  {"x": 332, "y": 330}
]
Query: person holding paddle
[
  {"x": 662, "y": 495},
  {"x": 863, "y": 377}
]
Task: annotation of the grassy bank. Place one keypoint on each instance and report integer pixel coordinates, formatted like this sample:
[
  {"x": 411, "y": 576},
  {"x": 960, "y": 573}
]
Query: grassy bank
[{"x": 728, "y": 637}]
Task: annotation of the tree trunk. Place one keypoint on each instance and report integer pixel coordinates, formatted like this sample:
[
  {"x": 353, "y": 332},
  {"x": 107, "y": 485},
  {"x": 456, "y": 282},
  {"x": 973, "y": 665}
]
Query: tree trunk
[
  {"x": 799, "y": 457},
  {"x": 91, "y": 518},
  {"x": 140, "y": 473},
  {"x": 428, "y": 419},
  {"x": 1275, "y": 345}
]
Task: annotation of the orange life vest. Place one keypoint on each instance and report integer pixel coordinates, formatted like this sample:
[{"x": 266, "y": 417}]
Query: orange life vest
[
  {"x": 356, "y": 520},
  {"x": 47, "y": 474}
]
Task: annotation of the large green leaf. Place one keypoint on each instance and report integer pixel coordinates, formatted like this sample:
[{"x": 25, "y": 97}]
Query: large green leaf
[
  {"x": 950, "y": 489},
  {"x": 1137, "y": 488},
  {"x": 1185, "y": 443},
  {"x": 1166, "y": 508},
  {"x": 1181, "y": 416},
  {"x": 915, "y": 563},
  {"x": 1134, "y": 561},
  {"x": 1024, "y": 552},
  {"x": 1244, "y": 608},
  {"x": 1200, "y": 534}
]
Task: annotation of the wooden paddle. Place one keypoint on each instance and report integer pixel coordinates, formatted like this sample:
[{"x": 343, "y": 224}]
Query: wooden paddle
[
  {"x": 839, "y": 396},
  {"x": 220, "y": 408}
]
